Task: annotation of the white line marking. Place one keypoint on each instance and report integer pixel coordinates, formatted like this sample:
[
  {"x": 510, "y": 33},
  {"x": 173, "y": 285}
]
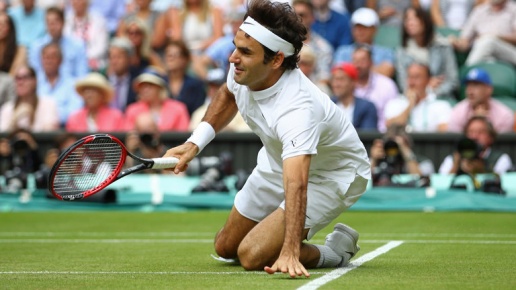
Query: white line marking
[
  {"x": 210, "y": 241},
  {"x": 140, "y": 273},
  {"x": 353, "y": 265}
]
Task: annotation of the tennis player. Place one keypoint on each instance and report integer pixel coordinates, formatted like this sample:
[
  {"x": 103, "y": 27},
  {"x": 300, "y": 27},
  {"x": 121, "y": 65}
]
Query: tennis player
[{"x": 312, "y": 166}]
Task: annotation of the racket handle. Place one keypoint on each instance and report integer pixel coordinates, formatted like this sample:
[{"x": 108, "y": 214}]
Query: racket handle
[{"x": 164, "y": 162}]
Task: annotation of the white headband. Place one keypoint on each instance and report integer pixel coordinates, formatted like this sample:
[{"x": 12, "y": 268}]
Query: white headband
[{"x": 266, "y": 37}]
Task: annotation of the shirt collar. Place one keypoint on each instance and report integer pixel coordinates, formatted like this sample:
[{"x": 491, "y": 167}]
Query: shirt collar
[{"x": 273, "y": 90}]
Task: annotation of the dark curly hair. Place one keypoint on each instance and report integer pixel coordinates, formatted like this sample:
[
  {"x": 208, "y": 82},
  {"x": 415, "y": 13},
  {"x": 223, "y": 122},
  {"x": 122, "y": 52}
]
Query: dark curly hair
[{"x": 281, "y": 19}]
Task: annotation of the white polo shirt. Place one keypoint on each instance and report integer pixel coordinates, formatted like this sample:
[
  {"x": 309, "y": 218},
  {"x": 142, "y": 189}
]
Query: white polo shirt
[{"x": 294, "y": 117}]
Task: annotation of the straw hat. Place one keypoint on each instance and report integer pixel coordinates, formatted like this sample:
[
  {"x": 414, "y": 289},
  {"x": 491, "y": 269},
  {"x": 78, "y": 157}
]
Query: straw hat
[
  {"x": 152, "y": 76},
  {"x": 98, "y": 81}
]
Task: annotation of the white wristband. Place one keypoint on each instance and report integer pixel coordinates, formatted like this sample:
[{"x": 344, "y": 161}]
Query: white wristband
[{"x": 202, "y": 135}]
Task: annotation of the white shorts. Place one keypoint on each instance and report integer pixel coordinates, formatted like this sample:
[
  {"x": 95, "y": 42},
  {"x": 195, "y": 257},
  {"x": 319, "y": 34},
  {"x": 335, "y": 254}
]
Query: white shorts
[{"x": 263, "y": 193}]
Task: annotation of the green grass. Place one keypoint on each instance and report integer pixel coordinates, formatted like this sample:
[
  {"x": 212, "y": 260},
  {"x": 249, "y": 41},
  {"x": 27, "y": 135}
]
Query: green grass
[{"x": 126, "y": 250}]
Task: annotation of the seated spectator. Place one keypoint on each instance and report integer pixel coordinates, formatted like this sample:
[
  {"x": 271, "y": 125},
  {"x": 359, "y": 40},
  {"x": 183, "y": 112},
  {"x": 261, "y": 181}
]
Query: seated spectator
[
  {"x": 140, "y": 12},
  {"x": 7, "y": 91},
  {"x": 28, "y": 111},
  {"x": 12, "y": 54},
  {"x": 91, "y": 28},
  {"x": 485, "y": 159},
  {"x": 74, "y": 62},
  {"x": 321, "y": 47},
  {"x": 394, "y": 154},
  {"x": 198, "y": 23},
  {"x": 364, "y": 23},
  {"x": 330, "y": 24},
  {"x": 479, "y": 101},
  {"x": 168, "y": 114},
  {"x": 371, "y": 85},
  {"x": 391, "y": 11},
  {"x": 29, "y": 21},
  {"x": 144, "y": 56},
  {"x": 490, "y": 33},
  {"x": 56, "y": 84},
  {"x": 450, "y": 13},
  {"x": 183, "y": 87},
  {"x": 120, "y": 73},
  {"x": 420, "y": 44},
  {"x": 307, "y": 64},
  {"x": 215, "y": 78},
  {"x": 361, "y": 112},
  {"x": 418, "y": 109},
  {"x": 111, "y": 10},
  {"x": 96, "y": 115},
  {"x": 217, "y": 54}
]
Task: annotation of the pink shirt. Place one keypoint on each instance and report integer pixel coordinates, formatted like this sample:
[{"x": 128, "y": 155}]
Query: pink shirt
[
  {"x": 173, "y": 115},
  {"x": 107, "y": 120},
  {"x": 500, "y": 116}
]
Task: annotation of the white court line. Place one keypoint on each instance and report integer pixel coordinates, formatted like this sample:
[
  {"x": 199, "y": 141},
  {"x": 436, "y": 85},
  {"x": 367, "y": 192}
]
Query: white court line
[
  {"x": 210, "y": 241},
  {"x": 353, "y": 265},
  {"x": 140, "y": 273}
]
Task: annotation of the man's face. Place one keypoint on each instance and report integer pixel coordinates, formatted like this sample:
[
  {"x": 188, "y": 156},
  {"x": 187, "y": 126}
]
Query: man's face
[
  {"x": 306, "y": 15},
  {"x": 341, "y": 84},
  {"x": 118, "y": 60},
  {"x": 80, "y": 6},
  {"x": 363, "y": 34},
  {"x": 248, "y": 58},
  {"x": 417, "y": 78},
  {"x": 318, "y": 4},
  {"x": 28, "y": 4},
  {"x": 478, "y": 93},
  {"x": 478, "y": 131},
  {"x": 362, "y": 62},
  {"x": 54, "y": 25},
  {"x": 51, "y": 59}
]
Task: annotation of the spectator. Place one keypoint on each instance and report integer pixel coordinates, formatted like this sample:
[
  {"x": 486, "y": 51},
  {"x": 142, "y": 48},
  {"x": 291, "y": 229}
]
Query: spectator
[
  {"x": 451, "y": 13},
  {"x": 7, "y": 91},
  {"x": 25, "y": 158},
  {"x": 183, "y": 87},
  {"x": 28, "y": 111},
  {"x": 364, "y": 23},
  {"x": 120, "y": 73},
  {"x": 217, "y": 54},
  {"x": 91, "y": 28},
  {"x": 479, "y": 101},
  {"x": 321, "y": 47},
  {"x": 371, "y": 85},
  {"x": 330, "y": 24},
  {"x": 74, "y": 61},
  {"x": 144, "y": 56},
  {"x": 96, "y": 115},
  {"x": 485, "y": 159},
  {"x": 55, "y": 84},
  {"x": 394, "y": 154},
  {"x": 141, "y": 12},
  {"x": 168, "y": 114},
  {"x": 215, "y": 78},
  {"x": 307, "y": 64},
  {"x": 111, "y": 10},
  {"x": 12, "y": 55},
  {"x": 361, "y": 112},
  {"x": 391, "y": 11},
  {"x": 490, "y": 33},
  {"x": 29, "y": 21},
  {"x": 197, "y": 23},
  {"x": 420, "y": 44},
  {"x": 418, "y": 108}
]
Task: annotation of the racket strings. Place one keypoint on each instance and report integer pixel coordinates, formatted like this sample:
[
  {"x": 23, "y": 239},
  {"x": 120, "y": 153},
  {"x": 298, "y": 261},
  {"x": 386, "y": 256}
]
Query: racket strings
[{"x": 88, "y": 167}]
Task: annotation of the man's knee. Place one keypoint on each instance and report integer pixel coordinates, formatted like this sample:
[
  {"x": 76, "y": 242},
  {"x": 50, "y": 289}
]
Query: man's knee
[
  {"x": 223, "y": 247},
  {"x": 486, "y": 42},
  {"x": 251, "y": 257}
]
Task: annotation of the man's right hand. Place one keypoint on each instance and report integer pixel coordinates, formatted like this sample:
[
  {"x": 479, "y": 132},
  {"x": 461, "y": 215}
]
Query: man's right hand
[{"x": 185, "y": 153}]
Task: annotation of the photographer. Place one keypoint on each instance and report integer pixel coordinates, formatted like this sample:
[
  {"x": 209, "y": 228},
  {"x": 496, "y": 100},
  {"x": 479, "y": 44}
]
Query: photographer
[
  {"x": 394, "y": 155},
  {"x": 474, "y": 153},
  {"x": 24, "y": 159}
]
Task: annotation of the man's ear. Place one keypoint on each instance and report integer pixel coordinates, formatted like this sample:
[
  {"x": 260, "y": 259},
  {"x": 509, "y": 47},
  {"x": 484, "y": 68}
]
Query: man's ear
[{"x": 278, "y": 59}]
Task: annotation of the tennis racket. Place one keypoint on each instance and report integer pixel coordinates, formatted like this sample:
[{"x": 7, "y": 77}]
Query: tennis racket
[{"x": 94, "y": 162}]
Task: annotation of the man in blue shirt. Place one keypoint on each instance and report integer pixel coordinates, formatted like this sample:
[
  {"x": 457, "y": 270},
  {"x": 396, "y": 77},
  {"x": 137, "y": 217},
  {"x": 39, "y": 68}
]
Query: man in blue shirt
[
  {"x": 29, "y": 21},
  {"x": 331, "y": 25},
  {"x": 75, "y": 61}
]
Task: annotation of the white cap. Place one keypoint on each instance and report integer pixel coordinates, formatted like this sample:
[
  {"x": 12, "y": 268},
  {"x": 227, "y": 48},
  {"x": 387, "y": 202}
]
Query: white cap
[{"x": 366, "y": 17}]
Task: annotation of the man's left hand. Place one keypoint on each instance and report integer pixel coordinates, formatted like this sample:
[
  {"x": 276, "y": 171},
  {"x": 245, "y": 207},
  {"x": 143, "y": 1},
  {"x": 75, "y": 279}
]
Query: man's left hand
[{"x": 288, "y": 264}]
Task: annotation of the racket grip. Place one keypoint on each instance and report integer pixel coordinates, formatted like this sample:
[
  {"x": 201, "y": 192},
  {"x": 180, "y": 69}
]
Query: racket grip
[{"x": 164, "y": 162}]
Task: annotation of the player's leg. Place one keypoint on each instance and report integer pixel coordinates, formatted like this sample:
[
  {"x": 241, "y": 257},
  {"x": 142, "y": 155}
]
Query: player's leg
[{"x": 229, "y": 237}]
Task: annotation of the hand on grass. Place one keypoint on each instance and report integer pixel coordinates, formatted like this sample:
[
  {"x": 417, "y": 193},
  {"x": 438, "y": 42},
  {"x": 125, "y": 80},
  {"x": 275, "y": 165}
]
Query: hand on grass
[{"x": 288, "y": 264}]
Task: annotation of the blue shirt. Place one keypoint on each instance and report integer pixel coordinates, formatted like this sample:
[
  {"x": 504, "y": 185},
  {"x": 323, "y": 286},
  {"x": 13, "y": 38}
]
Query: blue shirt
[
  {"x": 29, "y": 27},
  {"x": 64, "y": 94},
  {"x": 220, "y": 51},
  {"x": 112, "y": 10},
  {"x": 75, "y": 60},
  {"x": 379, "y": 54},
  {"x": 337, "y": 29}
]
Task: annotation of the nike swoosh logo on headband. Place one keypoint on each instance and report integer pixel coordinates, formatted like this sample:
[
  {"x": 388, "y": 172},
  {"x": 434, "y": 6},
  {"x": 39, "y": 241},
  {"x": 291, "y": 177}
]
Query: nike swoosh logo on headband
[{"x": 245, "y": 22}]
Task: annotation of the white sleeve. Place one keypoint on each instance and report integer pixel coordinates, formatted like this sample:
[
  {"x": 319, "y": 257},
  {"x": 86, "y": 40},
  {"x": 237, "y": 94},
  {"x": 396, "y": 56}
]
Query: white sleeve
[
  {"x": 503, "y": 164},
  {"x": 447, "y": 165},
  {"x": 395, "y": 107}
]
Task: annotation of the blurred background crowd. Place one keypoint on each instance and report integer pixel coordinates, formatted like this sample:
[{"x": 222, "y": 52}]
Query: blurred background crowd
[{"x": 144, "y": 67}]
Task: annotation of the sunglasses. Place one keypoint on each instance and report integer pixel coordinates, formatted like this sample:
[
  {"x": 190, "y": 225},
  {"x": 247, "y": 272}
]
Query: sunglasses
[{"x": 23, "y": 77}]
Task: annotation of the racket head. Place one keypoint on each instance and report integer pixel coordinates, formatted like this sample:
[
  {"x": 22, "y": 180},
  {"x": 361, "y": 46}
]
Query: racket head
[{"x": 88, "y": 166}]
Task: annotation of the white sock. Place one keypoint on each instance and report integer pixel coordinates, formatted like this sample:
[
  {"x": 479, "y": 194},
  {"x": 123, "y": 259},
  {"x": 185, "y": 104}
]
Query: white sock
[{"x": 328, "y": 258}]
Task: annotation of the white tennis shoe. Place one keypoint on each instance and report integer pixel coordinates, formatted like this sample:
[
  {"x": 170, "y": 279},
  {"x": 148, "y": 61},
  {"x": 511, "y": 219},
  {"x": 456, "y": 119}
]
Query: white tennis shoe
[{"x": 343, "y": 241}]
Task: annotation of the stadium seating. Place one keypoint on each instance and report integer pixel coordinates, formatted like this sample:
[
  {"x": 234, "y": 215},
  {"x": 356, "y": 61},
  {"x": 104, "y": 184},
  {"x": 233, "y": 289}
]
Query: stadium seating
[{"x": 388, "y": 36}]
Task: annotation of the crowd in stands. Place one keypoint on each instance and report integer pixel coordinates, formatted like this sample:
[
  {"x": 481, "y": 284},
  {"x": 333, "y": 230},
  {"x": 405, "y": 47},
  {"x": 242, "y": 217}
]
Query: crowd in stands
[{"x": 425, "y": 66}]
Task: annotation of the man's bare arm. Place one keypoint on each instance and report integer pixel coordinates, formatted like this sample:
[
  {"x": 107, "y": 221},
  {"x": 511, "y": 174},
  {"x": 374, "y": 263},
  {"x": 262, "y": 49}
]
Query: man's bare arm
[{"x": 222, "y": 109}]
